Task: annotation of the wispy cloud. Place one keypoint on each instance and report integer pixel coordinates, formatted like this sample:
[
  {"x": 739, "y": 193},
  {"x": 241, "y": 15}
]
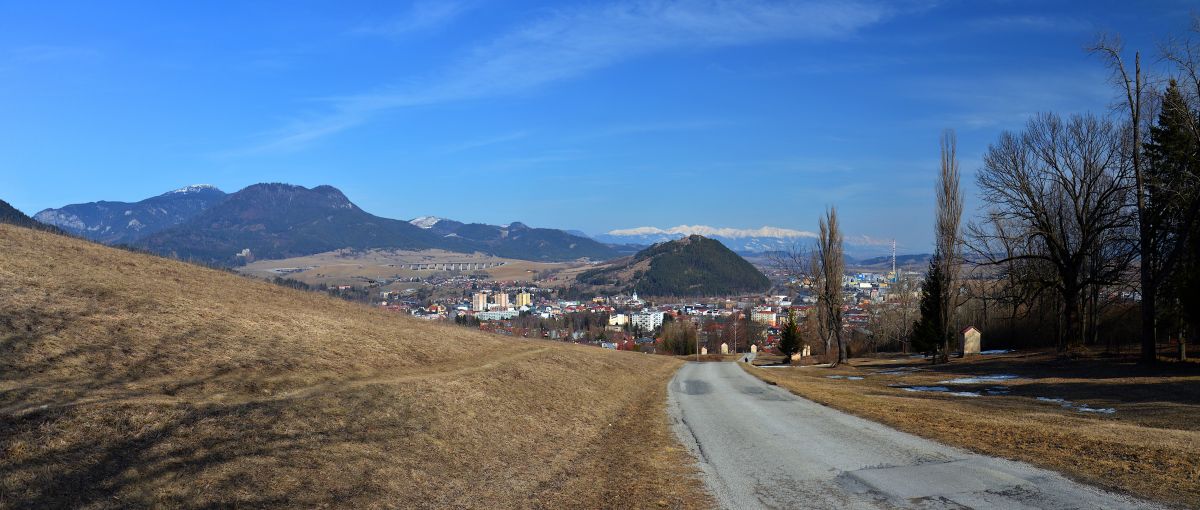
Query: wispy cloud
[
  {"x": 567, "y": 43},
  {"x": 422, "y": 16},
  {"x": 1031, "y": 22},
  {"x": 1008, "y": 99},
  {"x": 483, "y": 142}
]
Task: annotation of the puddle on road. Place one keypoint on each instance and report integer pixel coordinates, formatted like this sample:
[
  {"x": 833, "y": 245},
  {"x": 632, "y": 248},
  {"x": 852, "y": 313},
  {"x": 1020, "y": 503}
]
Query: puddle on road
[{"x": 696, "y": 387}]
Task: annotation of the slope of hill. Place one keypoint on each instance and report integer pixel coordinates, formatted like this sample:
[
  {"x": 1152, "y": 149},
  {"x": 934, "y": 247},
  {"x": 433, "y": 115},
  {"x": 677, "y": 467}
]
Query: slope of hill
[
  {"x": 124, "y": 222},
  {"x": 692, "y": 266},
  {"x": 13, "y": 216},
  {"x": 127, "y": 380}
]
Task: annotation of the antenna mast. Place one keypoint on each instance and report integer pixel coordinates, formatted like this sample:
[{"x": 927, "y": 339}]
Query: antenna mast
[{"x": 895, "y": 275}]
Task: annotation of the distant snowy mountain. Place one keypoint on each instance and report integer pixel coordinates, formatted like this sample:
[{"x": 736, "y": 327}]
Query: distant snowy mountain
[{"x": 742, "y": 240}]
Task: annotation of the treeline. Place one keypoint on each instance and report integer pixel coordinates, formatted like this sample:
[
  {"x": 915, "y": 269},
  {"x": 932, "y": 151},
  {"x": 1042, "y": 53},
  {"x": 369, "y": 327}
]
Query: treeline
[{"x": 1086, "y": 219}]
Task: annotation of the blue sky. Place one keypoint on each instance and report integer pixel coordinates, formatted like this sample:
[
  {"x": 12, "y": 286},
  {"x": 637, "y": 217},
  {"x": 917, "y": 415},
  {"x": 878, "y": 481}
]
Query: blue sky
[{"x": 594, "y": 115}]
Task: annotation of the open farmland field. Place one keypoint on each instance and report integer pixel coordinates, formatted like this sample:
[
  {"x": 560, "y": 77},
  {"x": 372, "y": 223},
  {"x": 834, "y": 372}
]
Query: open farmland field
[
  {"x": 350, "y": 267},
  {"x": 1107, "y": 422},
  {"x": 133, "y": 381}
]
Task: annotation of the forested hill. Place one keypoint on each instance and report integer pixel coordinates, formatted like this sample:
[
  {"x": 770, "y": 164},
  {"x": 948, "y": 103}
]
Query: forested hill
[
  {"x": 13, "y": 216},
  {"x": 691, "y": 266}
]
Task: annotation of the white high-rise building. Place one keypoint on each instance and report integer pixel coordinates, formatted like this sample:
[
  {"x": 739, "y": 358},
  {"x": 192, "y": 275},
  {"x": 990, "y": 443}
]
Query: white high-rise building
[{"x": 647, "y": 321}]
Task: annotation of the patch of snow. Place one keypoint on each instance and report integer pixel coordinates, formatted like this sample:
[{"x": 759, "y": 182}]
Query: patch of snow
[
  {"x": 1105, "y": 410},
  {"x": 705, "y": 230},
  {"x": 995, "y": 351},
  {"x": 191, "y": 189},
  {"x": 898, "y": 371},
  {"x": 926, "y": 388},
  {"x": 135, "y": 224},
  {"x": 980, "y": 379},
  {"x": 1083, "y": 408},
  {"x": 997, "y": 390},
  {"x": 425, "y": 221},
  {"x": 939, "y": 389},
  {"x": 847, "y": 377}
]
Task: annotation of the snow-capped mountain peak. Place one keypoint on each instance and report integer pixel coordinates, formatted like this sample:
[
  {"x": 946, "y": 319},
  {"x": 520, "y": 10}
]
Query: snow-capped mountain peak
[
  {"x": 194, "y": 188},
  {"x": 751, "y": 240},
  {"x": 705, "y": 230}
]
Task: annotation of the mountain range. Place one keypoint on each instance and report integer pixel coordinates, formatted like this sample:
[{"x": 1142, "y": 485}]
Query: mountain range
[
  {"x": 742, "y": 240},
  {"x": 270, "y": 221},
  {"x": 691, "y": 266},
  {"x": 519, "y": 241},
  {"x": 126, "y": 222}
]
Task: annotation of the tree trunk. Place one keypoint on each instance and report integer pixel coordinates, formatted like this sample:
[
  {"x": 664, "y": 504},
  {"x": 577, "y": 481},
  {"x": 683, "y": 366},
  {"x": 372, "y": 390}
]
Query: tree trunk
[
  {"x": 1071, "y": 322},
  {"x": 1149, "y": 342}
]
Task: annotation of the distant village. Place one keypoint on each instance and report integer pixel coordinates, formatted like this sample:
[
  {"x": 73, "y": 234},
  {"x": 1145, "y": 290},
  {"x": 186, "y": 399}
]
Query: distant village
[{"x": 741, "y": 323}]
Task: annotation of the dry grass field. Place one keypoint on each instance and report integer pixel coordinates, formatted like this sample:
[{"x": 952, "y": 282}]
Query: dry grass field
[
  {"x": 347, "y": 267},
  {"x": 133, "y": 381},
  {"x": 1148, "y": 446}
]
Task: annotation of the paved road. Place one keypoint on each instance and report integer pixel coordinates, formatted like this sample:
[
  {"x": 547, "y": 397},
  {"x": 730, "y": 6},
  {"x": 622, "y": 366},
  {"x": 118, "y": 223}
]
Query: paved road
[{"x": 759, "y": 446}]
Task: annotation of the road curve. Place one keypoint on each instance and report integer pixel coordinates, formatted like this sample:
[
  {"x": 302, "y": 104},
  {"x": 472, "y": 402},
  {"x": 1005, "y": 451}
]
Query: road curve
[{"x": 759, "y": 446}]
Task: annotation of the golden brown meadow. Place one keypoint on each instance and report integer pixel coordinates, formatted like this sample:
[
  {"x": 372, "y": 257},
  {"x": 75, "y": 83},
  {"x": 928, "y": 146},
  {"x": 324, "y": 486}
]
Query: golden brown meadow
[{"x": 128, "y": 380}]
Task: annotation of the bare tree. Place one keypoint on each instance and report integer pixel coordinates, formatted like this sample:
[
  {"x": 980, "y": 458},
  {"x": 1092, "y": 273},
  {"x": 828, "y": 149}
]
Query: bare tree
[
  {"x": 833, "y": 265},
  {"x": 1133, "y": 86},
  {"x": 793, "y": 265},
  {"x": 1058, "y": 196},
  {"x": 1160, "y": 243},
  {"x": 949, "y": 247}
]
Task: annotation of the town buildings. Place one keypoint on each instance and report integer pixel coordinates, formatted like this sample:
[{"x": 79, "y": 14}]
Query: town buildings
[
  {"x": 479, "y": 302},
  {"x": 647, "y": 321}
]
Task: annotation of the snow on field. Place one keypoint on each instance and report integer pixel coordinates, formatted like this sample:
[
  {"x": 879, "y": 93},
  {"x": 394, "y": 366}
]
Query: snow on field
[
  {"x": 1083, "y": 408},
  {"x": 940, "y": 389},
  {"x": 980, "y": 379}
]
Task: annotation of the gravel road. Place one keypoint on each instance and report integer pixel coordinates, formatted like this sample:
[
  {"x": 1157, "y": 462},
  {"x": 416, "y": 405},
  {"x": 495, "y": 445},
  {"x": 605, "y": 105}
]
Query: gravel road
[{"x": 759, "y": 446}]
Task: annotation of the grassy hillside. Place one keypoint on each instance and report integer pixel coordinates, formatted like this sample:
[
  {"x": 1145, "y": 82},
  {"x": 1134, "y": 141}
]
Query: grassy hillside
[{"x": 131, "y": 380}]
